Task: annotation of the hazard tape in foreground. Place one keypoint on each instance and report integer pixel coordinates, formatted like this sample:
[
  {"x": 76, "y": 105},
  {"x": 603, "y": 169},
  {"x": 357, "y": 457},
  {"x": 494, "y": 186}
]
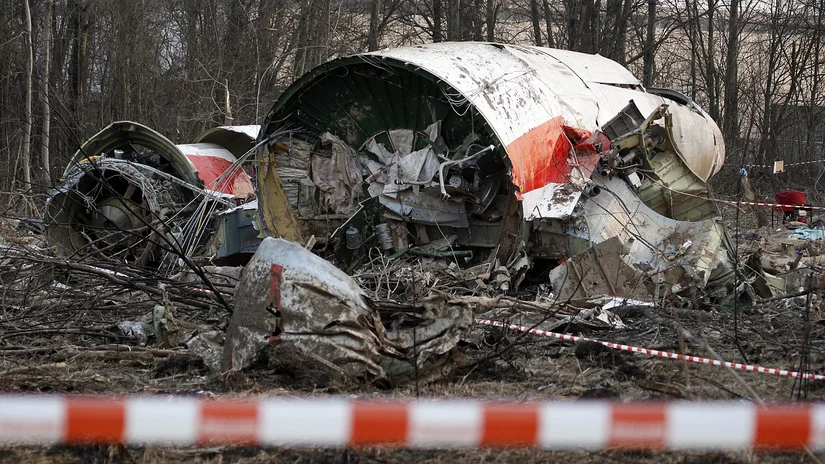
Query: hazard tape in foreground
[
  {"x": 661, "y": 354},
  {"x": 340, "y": 422}
]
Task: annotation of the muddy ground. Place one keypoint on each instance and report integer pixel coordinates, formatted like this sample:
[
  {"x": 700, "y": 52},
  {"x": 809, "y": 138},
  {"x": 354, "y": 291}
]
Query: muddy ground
[{"x": 71, "y": 346}]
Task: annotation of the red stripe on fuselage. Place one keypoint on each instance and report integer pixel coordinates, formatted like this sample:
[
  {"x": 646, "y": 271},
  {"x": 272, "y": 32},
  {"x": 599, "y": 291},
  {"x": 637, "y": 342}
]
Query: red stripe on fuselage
[
  {"x": 211, "y": 167},
  {"x": 539, "y": 157}
]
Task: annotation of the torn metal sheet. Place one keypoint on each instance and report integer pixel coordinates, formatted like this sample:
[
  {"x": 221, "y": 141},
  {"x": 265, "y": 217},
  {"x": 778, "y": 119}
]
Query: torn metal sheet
[
  {"x": 211, "y": 162},
  {"x": 114, "y": 208},
  {"x": 516, "y": 132},
  {"x": 426, "y": 208},
  {"x": 129, "y": 193},
  {"x": 598, "y": 271},
  {"x": 686, "y": 253},
  {"x": 237, "y": 139},
  {"x": 518, "y": 154},
  {"x": 287, "y": 295},
  {"x": 185, "y": 160},
  {"x": 654, "y": 220}
]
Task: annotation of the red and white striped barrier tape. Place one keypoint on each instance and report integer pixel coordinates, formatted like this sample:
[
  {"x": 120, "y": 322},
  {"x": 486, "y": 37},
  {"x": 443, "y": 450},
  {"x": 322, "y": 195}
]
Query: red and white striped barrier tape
[
  {"x": 661, "y": 354},
  {"x": 757, "y": 203},
  {"x": 770, "y": 166},
  {"x": 746, "y": 203},
  {"x": 339, "y": 422}
]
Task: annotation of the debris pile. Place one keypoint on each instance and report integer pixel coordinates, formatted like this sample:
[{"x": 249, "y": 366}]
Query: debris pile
[{"x": 380, "y": 228}]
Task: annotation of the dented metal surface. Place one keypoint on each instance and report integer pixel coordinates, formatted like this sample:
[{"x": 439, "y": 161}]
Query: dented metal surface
[
  {"x": 690, "y": 254},
  {"x": 129, "y": 192},
  {"x": 559, "y": 128},
  {"x": 519, "y": 164},
  {"x": 288, "y": 295}
]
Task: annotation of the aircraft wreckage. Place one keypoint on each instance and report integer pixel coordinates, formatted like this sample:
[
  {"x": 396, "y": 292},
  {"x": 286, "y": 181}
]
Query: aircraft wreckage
[
  {"x": 531, "y": 157},
  {"x": 527, "y": 161},
  {"x": 536, "y": 158}
]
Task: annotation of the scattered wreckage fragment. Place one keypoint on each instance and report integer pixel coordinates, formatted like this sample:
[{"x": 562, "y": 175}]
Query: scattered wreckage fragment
[
  {"x": 521, "y": 156},
  {"x": 129, "y": 193},
  {"x": 665, "y": 228},
  {"x": 463, "y": 152},
  {"x": 288, "y": 295}
]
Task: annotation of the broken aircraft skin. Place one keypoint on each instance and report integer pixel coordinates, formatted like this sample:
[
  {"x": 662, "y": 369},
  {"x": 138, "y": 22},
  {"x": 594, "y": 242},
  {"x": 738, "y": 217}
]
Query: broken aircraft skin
[
  {"x": 289, "y": 296},
  {"x": 523, "y": 155},
  {"x": 129, "y": 191},
  {"x": 474, "y": 153}
]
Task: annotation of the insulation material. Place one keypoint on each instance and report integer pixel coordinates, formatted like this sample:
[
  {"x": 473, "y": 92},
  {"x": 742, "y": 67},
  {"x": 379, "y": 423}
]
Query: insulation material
[
  {"x": 405, "y": 169},
  {"x": 337, "y": 176},
  {"x": 345, "y": 158},
  {"x": 293, "y": 161}
]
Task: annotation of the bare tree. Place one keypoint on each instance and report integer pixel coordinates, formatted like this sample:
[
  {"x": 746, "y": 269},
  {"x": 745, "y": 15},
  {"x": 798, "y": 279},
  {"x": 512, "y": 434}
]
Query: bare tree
[
  {"x": 79, "y": 25},
  {"x": 453, "y": 20},
  {"x": 437, "y": 22},
  {"x": 536, "y": 20},
  {"x": 730, "y": 123},
  {"x": 27, "y": 133},
  {"x": 375, "y": 18},
  {"x": 45, "y": 133},
  {"x": 492, "y": 10},
  {"x": 548, "y": 24},
  {"x": 650, "y": 43}
]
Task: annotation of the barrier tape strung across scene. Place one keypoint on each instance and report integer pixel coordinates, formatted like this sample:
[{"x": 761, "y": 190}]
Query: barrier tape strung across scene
[
  {"x": 341, "y": 422},
  {"x": 770, "y": 166},
  {"x": 661, "y": 354},
  {"x": 746, "y": 203},
  {"x": 757, "y": 203}
]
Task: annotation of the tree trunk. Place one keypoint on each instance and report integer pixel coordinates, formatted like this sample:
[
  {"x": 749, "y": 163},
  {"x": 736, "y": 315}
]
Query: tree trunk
[
  {"x": 228, "y": 120},
  {"x": 730, "y": 123},
  {"x": 491, "y": 20},
  {"x": 454, "y": 20},
  {"x": 691, "y": 31},
  {"x": 302, "y": 42},
  {"x": 438, "y": 35},
  {"x": 612, "y": 36},
  {"x": 710, "y": 65},
  {"x": 375, "y": 19},
  {"x": 815, "y": 115},
  {"x": 44, "y": 96},
  {"x": 572, "y": 15},
  {"x": 27, "y": 132},
  {"x": 478, "y": 22},
  {"x": 534, "y": 18},
  {"x": 77, "y": 66},
  {"x": 650, "y": 41},
  {"x": 548, "y": 24}
]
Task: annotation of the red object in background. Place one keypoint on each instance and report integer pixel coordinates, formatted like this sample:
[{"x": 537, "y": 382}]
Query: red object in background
[{"x": 790, "y": 197}]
